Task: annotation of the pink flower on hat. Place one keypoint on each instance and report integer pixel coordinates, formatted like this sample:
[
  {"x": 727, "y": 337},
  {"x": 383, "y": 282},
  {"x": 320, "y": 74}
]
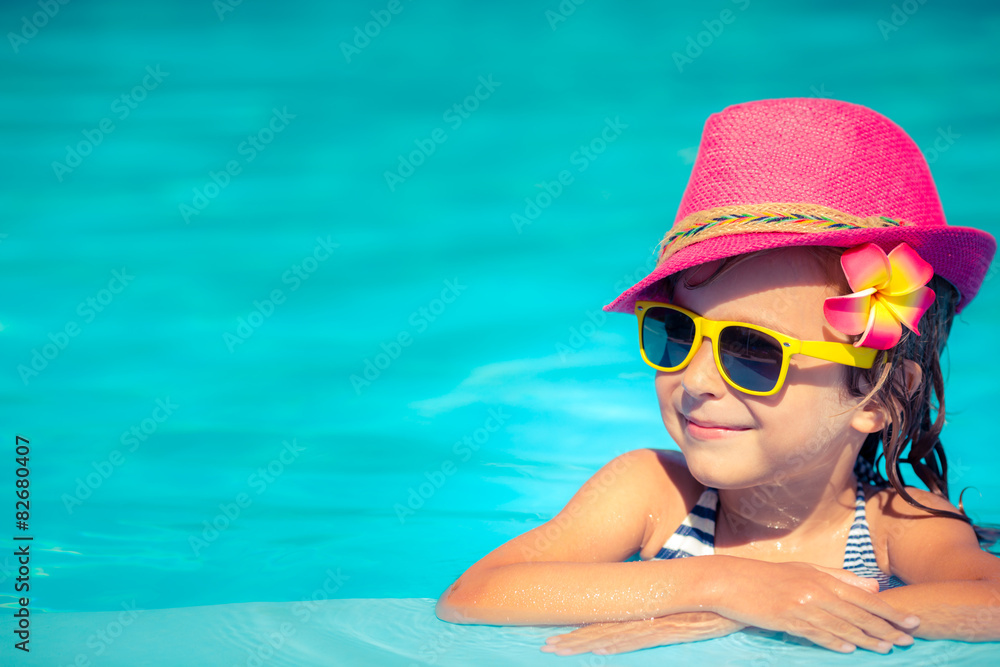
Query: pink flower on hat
[{"x": 889, "y": 291}]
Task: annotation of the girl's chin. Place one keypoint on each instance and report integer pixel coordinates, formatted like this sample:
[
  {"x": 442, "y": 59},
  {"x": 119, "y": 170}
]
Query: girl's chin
[{"x": 721, "y": 472}]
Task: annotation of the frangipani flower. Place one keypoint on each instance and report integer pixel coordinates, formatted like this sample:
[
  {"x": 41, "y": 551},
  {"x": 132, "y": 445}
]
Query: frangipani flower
[{"x": 889, "y": 290}]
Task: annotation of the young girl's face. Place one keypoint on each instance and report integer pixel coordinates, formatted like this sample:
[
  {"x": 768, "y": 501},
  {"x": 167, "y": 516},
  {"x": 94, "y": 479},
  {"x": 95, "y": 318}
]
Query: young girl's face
[{"x": 808, "y": 431}]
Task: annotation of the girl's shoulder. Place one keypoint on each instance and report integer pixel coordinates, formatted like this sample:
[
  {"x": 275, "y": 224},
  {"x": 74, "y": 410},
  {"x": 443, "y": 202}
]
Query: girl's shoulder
[
  {"x": 671, "y": 492},
  {"x": 890, "y": 516},
  {"x": 911, "y": 542},
  {"x": 888, "y": 499},
  {"x": 885, "y": 507},
  {"x": 666, "y": 474}
]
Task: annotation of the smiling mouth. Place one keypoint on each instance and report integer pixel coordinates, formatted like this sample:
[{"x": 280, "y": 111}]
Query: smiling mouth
[{"x": 707, "y": 430}]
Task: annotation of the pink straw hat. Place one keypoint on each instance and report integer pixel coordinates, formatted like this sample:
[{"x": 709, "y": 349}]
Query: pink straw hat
[{"x": 808, "y": 172}]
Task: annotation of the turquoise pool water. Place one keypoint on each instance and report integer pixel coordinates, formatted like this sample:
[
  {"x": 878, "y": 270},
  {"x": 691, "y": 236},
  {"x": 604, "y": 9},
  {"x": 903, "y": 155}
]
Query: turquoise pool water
[{"x": 270, "y": 324}]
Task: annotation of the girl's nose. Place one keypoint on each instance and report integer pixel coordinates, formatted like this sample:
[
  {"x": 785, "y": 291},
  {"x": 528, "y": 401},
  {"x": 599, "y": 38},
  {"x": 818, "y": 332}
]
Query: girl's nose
[{"x": 701, "y": 376}]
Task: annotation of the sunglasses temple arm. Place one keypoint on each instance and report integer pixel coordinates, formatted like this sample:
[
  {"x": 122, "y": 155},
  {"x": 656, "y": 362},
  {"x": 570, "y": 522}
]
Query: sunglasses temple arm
[{"x": 841, "y": 353}]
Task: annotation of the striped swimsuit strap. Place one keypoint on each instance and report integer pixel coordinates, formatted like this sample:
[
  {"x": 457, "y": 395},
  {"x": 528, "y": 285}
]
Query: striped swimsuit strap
[
  {"x": 696, "y": 537},
  {"x": 696, "y": 534},
  {"x": 859, "y": 556}
]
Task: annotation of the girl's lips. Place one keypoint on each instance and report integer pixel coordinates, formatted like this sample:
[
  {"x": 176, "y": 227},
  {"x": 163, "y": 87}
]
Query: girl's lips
[{"x": 709, "y": 431}]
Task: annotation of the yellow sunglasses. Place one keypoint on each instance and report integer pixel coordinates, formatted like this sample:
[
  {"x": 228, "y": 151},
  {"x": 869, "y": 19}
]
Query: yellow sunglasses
[{"x": 750, "y": 358}]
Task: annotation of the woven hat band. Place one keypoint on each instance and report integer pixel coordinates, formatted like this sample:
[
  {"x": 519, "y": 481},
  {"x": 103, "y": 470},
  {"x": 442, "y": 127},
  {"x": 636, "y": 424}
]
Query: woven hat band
[{"x": 754, "y": 218}]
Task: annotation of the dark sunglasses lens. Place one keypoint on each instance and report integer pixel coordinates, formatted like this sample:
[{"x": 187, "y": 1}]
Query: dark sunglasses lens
[
  {"x": 752, "y": 359},
  {"x": 667, "y": 336}
]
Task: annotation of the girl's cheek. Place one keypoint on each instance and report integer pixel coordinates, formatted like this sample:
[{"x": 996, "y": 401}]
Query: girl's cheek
[
  {"x": 665, "y": 386},
  {"x": 660, "y": 382}
]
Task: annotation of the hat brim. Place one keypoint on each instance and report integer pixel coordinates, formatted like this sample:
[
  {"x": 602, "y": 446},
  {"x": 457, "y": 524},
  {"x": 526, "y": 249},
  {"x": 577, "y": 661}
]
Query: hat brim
[{"x": 960, "y": 255}]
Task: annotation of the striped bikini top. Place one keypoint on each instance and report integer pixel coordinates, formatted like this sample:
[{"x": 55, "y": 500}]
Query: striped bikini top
[{"x": 696, "y": 537}]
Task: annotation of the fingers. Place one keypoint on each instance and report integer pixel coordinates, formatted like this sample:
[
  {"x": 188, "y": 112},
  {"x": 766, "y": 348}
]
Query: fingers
[
  {"x": 868, "y": 629},
  {"x": 842, "y": 626},
  {"x": 821, "y": 637},
  {"x": 864, "y": 583},
  {"x": 880, "y": 608},
  {"x": 868, "y": 601},
  {"x": 830, "y": 607},
  {"x": 614, "y": 637},
  {"x": 862, "y": 593},
  {"x": 629, "y": 643},
  {"x": 880, "y": 629},
  {"x": 623, "y": 636},
  {"x": 867, "y": 632}
]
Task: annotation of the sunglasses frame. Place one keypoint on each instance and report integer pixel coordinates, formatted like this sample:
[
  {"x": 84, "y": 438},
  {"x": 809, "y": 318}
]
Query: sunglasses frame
[{"x": 840, "y": 353}]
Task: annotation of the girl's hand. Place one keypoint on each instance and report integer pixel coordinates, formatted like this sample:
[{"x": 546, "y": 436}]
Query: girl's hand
[
  {"x": 623, "y": 636},
  {"x": 832, "y": 608}
]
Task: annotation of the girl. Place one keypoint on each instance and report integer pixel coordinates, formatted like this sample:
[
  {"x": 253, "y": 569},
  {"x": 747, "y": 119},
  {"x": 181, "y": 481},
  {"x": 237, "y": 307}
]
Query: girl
[{"x": 795, "y": 319}]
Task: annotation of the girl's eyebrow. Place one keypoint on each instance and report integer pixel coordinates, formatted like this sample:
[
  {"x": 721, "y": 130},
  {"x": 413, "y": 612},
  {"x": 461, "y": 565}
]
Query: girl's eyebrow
[
  {"x": 765, "y": 319},
  {"x": 758, "y": 316}
]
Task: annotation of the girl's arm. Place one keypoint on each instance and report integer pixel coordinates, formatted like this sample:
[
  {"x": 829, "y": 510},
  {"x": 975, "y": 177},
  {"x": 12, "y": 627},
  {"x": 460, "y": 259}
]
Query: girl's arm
[
  {"x": 954, "y": 584},
  {"x": 569, "y": 570}
]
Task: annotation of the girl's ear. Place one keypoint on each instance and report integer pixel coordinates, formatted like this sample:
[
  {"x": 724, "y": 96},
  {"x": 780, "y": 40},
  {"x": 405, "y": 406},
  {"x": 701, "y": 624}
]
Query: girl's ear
[
  {"x": 913, "y": 375},
  {"x": 871, "y": 417}
]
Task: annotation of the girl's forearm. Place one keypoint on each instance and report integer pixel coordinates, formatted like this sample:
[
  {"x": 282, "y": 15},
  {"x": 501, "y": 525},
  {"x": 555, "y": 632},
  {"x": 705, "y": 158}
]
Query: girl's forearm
[
  {"x": 570, "y": 593},
  {"x": 963, "y": 610}
]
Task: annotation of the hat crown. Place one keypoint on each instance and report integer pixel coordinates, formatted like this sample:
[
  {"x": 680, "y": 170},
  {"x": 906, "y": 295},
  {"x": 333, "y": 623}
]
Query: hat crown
[
  {"x": 812, "y": 172},
  {"x": 827, "y": 152}
]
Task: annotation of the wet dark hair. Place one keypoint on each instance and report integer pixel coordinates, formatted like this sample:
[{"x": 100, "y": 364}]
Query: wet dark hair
[{"x": 914, "y": 416}]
